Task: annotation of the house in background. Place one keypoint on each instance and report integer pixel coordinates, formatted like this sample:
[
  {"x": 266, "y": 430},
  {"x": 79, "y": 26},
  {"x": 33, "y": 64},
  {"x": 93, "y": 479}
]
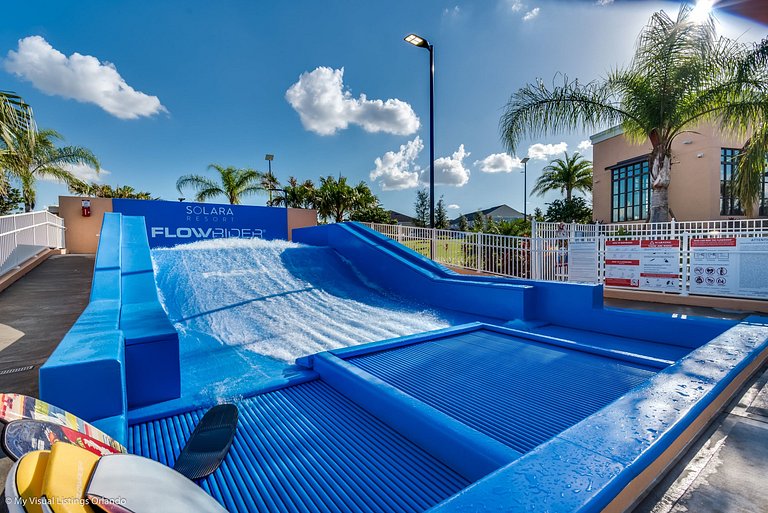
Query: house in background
[
  {"x": 497, "y": 213},
  {"x": 402, "y": 219},
  {"x": 703, "y": 167}
]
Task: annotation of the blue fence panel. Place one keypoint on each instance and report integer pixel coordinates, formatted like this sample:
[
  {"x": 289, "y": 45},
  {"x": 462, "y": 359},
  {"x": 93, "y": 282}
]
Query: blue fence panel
[{"x": 171, "y": 222}]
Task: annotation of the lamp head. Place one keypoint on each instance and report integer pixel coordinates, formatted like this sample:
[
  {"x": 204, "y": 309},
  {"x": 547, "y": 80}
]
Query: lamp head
[
  {"x": 524, "y": 160},
  {"x": 417, "y": 40},
  {"x": 269, "y": 156}
]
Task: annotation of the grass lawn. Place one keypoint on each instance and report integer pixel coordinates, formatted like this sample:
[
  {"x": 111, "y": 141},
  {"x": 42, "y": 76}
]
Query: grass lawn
[{"x": 448, "y": 251}]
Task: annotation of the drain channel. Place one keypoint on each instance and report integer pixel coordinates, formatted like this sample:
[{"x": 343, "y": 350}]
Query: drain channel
[{"x": 16, "y": 369}]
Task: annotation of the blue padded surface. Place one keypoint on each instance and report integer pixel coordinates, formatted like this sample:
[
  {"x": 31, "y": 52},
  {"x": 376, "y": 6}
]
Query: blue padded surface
[
  {"x": 145, "y": 322},
  {"x": 307, "y": 448},
  {"x": 116, "y": 427},
  {"x": 516, "y": 391},
  {"x": 666, "y": 352},
  {"x": 106, "y": 283}
]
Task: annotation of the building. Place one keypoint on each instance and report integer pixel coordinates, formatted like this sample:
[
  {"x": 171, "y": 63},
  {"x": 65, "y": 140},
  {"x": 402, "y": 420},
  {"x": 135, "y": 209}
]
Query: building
[
  {"x": 402, "y": 219},
  {"x": 497, "y": 213},
  {"x": 702, "y": 173}
]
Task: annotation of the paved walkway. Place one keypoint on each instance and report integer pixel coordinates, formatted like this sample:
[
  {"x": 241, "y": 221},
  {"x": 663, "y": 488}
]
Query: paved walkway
[
  {"x": 726, "y": 470},
  {"x": 35, "y": 314}
]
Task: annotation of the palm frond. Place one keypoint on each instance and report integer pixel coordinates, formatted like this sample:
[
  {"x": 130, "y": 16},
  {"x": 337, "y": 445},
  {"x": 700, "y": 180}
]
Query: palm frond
[
  {"x": 752, "y": 166},
  {"x": 538, "y": 110}
]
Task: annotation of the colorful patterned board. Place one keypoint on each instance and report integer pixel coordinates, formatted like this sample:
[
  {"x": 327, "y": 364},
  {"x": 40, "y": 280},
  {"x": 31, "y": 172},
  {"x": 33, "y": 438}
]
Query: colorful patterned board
[
  {"x": 24, "y": 436},
  {"x": 18, "y": 407}
]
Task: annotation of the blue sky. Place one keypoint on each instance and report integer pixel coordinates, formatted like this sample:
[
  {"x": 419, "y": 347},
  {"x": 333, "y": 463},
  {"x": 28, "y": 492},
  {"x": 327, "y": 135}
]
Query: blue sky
[{"x": 162, "y": 89}]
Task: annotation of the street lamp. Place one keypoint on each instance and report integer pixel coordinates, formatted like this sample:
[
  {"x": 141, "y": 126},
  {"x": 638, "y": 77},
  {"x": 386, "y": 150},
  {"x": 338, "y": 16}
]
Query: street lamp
[
  {"x": 269, "y": 158},
  {"x": 423, "y": 43},
  {"x": 525, "y": 186}
]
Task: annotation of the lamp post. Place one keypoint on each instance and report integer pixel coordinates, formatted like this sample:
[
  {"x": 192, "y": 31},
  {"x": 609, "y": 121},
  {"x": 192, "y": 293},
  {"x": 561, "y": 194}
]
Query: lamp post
[
  {"x": 423, "y": 43},
  {"x": 269, "y": 158},
  {"x": 525, "y": 187}
]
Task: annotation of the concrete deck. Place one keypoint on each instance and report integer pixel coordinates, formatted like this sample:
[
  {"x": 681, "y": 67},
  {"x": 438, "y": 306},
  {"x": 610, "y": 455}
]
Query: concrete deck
[
  {"x": 35, "y": 314},
  {"x": 725, "y": 470}
]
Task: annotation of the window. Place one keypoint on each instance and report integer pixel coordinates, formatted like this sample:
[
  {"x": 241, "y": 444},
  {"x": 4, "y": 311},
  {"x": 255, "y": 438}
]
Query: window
[
  {"x": 763, "y": 211},
  {"x": 630, "y": 192},
  {"x": 729, "y": 204}
]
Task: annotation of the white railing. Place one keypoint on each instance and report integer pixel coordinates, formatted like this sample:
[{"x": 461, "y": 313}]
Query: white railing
[
  {"x": 22, "y": 236},
  {"x": 484, "y": 252},
  {"x": 545, "y": 256},
  {"x": 717, "y": 228}
]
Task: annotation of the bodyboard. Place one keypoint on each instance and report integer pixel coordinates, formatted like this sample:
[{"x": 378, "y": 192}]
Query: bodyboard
[
  {"x": 23, "y": 436},
  {"x": 18, "y": 407},
  {"x": 209, "y": 443},
  {"x": 142, "y": 485}
]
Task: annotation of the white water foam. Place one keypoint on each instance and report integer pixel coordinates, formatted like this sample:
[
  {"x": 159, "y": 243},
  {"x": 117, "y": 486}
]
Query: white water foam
[{"x": 279, "y": 299}]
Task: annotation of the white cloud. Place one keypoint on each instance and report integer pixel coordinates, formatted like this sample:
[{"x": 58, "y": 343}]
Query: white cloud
[
  {"x": 83, "y": 172},
  {"x": 79, "y": 77},
  {"x": 450, "y": 170},
  {"x": 453, "y": 206},
  {"x": 541, "y": 151},
  {"x": 585, "y": 145},
  {"x": 397, "y": 170},
  {"x": 515, "y": 5},
  {"x": 499, "y": 163},
  {"x": 531, "y": 14},
  {"x": 604, "y": 2},
  {"x": 324, "y": 106},
  {"x": 452, "y": 12}
]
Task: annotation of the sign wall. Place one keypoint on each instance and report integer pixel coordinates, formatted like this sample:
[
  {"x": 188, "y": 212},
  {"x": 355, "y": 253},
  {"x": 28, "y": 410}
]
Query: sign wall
[{"x": 170, "y": 223}]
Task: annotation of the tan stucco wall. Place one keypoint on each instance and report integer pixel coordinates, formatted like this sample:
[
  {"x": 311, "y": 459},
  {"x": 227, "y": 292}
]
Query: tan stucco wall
[
  {"x": 694, "y": 191},
  {"x": 299, "y": 218},
  {"x": 82, "y": 235}
]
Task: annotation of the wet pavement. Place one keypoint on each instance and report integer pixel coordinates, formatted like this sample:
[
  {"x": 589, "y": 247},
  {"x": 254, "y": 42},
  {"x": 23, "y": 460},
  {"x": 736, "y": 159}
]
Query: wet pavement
[{"x": 726, "y": 470}]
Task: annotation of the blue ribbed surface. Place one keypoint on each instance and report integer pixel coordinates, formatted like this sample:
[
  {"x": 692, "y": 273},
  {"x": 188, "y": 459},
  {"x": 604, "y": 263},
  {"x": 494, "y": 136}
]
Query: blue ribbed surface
[
  {"x": 519, "y": 392},
  {"x": 307, "y": 448}
]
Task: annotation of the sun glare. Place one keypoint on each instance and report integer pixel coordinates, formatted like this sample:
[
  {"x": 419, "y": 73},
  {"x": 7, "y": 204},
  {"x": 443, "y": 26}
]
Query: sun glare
[{"x": 702, "y": 10}]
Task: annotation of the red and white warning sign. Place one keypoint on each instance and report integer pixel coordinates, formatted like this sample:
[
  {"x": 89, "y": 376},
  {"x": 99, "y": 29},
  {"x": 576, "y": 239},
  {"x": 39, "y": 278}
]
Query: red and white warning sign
[
  {"x": 660, "y": 265},
  {"x": 622, "y": 263},
  {"x": 647, "y": 264}
]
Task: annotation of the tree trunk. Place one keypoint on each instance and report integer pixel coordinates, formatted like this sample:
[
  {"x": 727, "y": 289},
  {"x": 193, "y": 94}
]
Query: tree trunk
[{"x": 660, "y": 177}]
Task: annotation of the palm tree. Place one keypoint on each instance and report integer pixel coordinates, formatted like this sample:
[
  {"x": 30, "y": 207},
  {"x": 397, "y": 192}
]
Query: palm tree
[
  {"x": 15, "y": 119},
  {"x": 752, "y": 161},
  {"x": 335, "y": 198},
  {"x": 234, "y": 183},
  {"x": 681, "y": 75},
  {"x": 37, "y": 156},
  {"x": 270, "y": 183},
  {"x": 296, "y": 195},
  {"x": 566, "y": 175}
]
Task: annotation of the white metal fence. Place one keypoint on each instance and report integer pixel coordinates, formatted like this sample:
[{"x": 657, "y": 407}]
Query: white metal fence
[
  {"x": 687, "y": 237},
  {"x": 518, "y": 257},
  {"x": 24, "y": 235},
  {"x": 545, "y": 255}
]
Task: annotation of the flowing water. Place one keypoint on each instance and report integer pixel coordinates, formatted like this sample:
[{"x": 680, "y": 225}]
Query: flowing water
[{"x": 279, "y": 299}]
